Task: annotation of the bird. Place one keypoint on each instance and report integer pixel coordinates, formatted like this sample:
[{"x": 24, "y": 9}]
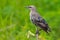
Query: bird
[{"x": 38, "y": 20}]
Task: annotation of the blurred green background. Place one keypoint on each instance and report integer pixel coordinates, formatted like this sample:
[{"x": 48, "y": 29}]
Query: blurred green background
[{"x": 15, "y": 22}]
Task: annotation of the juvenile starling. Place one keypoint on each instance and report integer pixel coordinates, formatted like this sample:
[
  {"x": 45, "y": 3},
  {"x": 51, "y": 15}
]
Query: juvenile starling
[{"x": 37, "y": 19}]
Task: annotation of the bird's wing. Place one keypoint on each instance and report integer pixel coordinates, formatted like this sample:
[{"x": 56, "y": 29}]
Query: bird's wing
[
  {"x": 39, "y": 20},
  {"x": 42, "y": 22}
]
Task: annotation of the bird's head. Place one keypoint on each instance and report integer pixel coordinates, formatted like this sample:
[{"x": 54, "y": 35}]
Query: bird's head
[{"x": 31, "y": 7}]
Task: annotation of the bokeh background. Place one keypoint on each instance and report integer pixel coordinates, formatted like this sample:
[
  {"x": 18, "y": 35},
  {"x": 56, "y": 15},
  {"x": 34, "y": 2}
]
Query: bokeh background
[{"x": 15, "y": 22}]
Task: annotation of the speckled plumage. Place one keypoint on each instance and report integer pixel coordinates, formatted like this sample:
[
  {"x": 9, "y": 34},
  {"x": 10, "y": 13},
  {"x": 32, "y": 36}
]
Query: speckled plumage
[{"x": 38, "y": 20}]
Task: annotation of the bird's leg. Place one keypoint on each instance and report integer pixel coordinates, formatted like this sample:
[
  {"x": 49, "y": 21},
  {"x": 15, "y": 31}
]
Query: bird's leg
[{"x": 37, "y": 34}]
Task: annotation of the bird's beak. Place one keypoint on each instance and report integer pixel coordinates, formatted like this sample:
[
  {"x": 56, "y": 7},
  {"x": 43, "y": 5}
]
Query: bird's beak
[{"x": 27, "y": 7}]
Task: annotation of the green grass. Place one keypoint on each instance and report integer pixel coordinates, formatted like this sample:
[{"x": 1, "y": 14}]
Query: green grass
[{"x": 15, "y": 22}]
